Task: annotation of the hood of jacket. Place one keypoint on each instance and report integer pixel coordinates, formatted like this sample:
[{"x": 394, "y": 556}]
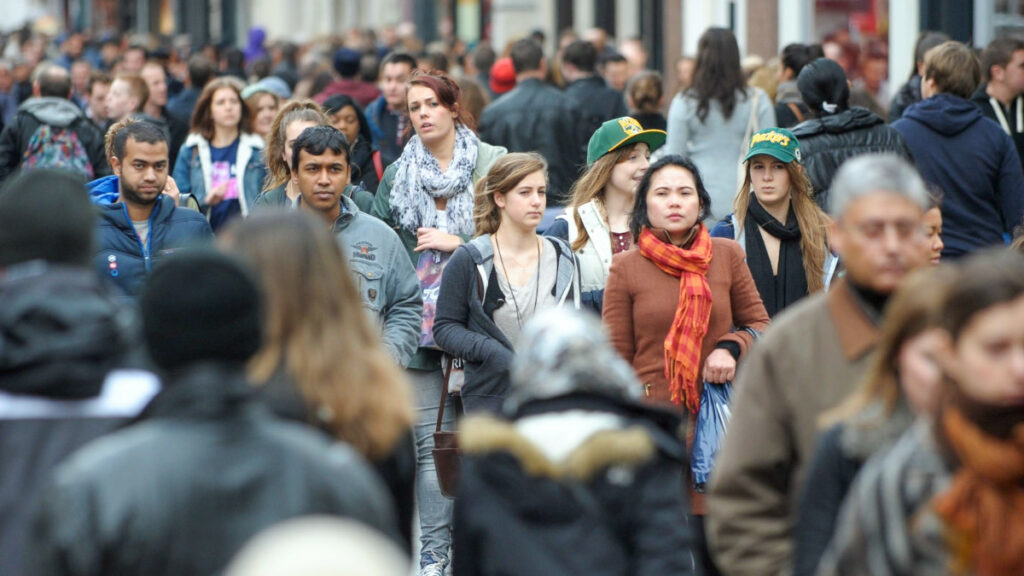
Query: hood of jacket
[
  {"x": 842, "y": 122},
  {"x": 944, "y": 113},
  {"x": 60, "y": 331},
  {"x": 53, "y": 111},
  {"x": 104, "y": 190}
]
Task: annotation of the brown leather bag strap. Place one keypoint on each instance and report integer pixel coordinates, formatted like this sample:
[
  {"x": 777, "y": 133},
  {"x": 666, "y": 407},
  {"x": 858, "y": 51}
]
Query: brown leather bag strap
[
  {"x": 795, "y": 109},
  {"x": 447, "y": 370}
]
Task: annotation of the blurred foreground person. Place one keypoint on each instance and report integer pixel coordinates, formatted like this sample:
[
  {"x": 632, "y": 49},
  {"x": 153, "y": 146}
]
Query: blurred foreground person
[
  {"x": 61, "y": 334},
  {"x": 319, "y": 545},
  {"x": 948, "y": 498},
  {"x": 809, "y": 362},
  {"x": 583, "y": 478},
  {"x": 206, "y": 468}
]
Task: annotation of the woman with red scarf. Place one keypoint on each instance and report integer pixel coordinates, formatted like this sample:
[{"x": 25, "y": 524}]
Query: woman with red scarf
[
  {"x": 948, "y": 497},
  {"x": 678, "y": 306}
]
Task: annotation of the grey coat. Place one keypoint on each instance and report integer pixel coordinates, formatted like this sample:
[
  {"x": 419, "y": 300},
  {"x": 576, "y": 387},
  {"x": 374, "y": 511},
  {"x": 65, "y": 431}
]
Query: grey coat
[{"x": 464, "y": 323}]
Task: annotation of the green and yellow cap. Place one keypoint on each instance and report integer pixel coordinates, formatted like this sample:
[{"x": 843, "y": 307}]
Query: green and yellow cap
[
  {"x": 778, "y": 143},
  {"x": 619, "y": 132}
]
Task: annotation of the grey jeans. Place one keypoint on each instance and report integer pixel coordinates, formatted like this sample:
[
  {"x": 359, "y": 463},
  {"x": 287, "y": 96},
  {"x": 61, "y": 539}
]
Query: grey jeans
[{"x": 435, "y": 511}]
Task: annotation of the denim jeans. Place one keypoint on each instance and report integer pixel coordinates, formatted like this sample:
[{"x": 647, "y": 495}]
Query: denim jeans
[{"x": 435, "y": 510}]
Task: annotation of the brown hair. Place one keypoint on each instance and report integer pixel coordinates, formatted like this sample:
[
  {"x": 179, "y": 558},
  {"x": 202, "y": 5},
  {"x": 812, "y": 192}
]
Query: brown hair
[
  {"x": 810, "y": 218},
  {"x": 954, "y": 68},
  {"x": 502, "y": 178},
  {"x": 645, "y": 92},
  {"x": 474, "y": 100},
  {"x": 202, "y": 116},
  {"x": 913, "y": 309},
  {"x": 318, "y": 332},
  {"x": 591, "y": 186},
  {"x": 136, "y": 86},
  {"x": 445, "y": 89},
  {"x": 277, "y": 169}
]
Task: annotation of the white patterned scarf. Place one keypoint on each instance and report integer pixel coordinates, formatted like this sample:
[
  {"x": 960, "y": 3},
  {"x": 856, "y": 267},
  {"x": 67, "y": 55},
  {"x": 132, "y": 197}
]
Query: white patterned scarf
[{"x": 419, "y": 180}]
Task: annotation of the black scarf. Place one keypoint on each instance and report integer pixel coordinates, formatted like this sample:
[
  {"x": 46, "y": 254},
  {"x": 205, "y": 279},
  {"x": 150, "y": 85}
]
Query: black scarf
[{"x": 777, "y": 291}]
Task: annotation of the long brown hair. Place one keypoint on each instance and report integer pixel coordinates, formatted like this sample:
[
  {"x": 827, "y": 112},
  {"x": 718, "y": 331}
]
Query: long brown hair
[
  {"x": 591, "y": 185},
  {"x": 812, "y": 221},
  {"x": 317, "y": 330},
  {"x": 277, "y": 169},
  {"x": 913, "y": 309},
  {"x": 502, "y": 178},
  {"x": 202, "y": 116}
]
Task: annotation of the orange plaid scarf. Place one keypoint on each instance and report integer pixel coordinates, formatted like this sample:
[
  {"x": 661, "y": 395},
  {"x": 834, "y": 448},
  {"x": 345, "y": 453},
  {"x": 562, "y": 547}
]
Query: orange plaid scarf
[{"x": 685, "y": 337}]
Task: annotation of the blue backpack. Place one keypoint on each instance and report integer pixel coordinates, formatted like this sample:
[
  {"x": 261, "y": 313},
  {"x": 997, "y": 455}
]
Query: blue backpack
[{"x": 56, "y": 147}]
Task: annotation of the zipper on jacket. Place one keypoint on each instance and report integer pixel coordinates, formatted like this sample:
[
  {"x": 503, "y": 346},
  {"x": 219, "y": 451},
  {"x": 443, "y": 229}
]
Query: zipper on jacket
[{"x": 142, "y": 248}]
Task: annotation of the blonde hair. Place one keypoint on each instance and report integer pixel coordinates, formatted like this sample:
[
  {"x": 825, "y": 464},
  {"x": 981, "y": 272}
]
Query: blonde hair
[
  {"x": 913, "y": 309},
  {"x": 317, "y": 331},
  {"x": 591, "y": 186},
  {"x": 277, "y": 169},
  {"x": 813, "y": 222},
  {"x": 502, "y": 178}
]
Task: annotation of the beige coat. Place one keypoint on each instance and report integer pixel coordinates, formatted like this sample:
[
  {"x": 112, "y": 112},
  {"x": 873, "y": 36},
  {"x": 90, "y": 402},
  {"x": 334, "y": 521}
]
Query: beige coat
[{"x": 808, "y": 362}]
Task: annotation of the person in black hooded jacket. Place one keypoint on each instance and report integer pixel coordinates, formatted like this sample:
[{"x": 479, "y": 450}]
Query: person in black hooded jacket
[
  {"x": 837, "y": 132},
  {"x": 62, "y": 338},
  {"x": 579, "y": 476},
  {"x": 346, "y": 115}
]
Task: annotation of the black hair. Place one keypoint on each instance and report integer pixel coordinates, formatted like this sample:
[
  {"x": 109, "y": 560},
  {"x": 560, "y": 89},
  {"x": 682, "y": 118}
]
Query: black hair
[
  {"x": 316, "y": 139},
  {"x": 141, "y": 131},
  {"x": 717, "y": 74},
  {"x": 54, "y": 81},
  {"x": 639, "y": 219},
  {"x": 526, "y": 55},
  {"x": 399, "y": 58},
  {"x": 289, "y": 51},
  {"x": 582, "y": 55},
  {"x": 200, "y": 71},
  {"x": 234, "y": 58},
  {"x": 336, "y": 103},
  {"x": 611, "y": 57},
  {"x": 824, "y": 82},
  {"x": 795, "y": 57}
]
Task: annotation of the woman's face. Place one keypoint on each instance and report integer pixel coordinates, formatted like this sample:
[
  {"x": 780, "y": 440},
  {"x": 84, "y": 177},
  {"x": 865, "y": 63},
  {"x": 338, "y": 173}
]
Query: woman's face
[
  {"x": 226, "y": 108},
  {"x": 266, "y": 109},
  {"x": 672, "y": 201},
  {"x": 627, "y": 174},
  {"x": 769, "y": 177},
  {"x": 919, "y": 370},
  {"x": 933, "y": 230},
  {"x": 987, "y": 360},
  {"x": 347, "y": 121},
  {"x": 432, "y": 122},
  {"x": 524, "y": 205},
  {"x": 291, "y": 133}
]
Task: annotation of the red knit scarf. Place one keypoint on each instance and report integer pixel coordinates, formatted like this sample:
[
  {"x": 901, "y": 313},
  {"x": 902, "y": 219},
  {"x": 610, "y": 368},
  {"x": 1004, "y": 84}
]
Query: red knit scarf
[{"x": 693, "y": 312}]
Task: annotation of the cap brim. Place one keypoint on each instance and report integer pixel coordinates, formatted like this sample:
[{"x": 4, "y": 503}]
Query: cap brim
[
  {"x": 653, "y": 138},
  {"x": 777, "y": 154}
]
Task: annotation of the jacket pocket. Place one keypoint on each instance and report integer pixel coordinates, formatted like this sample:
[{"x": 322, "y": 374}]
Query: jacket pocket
[{"x": 369, "y": 281}]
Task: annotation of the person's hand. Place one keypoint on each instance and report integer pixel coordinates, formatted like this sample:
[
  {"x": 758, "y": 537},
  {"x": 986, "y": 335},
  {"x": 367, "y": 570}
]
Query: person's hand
[
  {"x": 171, "y": 190},
  {"x": 215, "y": 196},
  {"x": 720, "y": 367},
  {"x": 434, "y": 239}
]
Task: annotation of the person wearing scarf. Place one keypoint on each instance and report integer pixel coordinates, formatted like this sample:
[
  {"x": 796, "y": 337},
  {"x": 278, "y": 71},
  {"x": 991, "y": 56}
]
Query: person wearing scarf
[
  {"x": 427, "y": 197},
  {"x": 671, "y": 305},
  {"x": 780, "y": 227},
  {"x": 949, "y": 497}
]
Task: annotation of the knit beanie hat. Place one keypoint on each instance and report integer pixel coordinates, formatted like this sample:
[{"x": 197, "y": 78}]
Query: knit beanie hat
[
  {"x": 46, "y": 215},
  {"x": 200, "y": 305}
]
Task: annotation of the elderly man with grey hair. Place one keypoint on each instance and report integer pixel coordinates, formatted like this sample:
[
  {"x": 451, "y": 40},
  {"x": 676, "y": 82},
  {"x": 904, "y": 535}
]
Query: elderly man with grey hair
[{"x": 809, "y": 361}]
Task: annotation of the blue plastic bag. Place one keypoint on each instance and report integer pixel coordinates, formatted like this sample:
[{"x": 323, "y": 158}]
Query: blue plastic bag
[{"x": 712, "y": 420}]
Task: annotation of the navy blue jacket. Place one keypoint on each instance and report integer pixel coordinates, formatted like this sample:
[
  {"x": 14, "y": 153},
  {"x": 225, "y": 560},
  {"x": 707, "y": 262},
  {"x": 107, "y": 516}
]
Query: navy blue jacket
[
  {"x": 120, "y": 256},
  {"x": 974, "y": 163}
]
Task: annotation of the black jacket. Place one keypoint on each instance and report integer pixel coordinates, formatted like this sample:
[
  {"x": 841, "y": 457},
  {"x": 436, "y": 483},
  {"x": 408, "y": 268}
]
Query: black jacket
[
  {"x": 180, "y": 492},
  {"x": 614, "y": 506},
  {"x": 597, "y": 101},
  {"x": 536, "y": 116},
  {"x": 908, "y": 95},
  {"x": 828, "y": 141},
  {"x": 60, "y": 336},
  {"x": 57, "y": 112}
]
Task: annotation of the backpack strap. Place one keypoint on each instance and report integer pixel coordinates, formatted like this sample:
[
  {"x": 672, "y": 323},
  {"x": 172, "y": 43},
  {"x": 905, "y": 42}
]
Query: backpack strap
[
  {"x": 378, "y": 165},
  {"x": 795, "y": 109}
]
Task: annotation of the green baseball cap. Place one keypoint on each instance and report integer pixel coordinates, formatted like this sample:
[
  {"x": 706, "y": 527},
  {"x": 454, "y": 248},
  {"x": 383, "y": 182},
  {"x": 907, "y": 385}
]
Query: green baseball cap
[
  {"x": 620, "y": 132},
  {"x": 778, "y": 143}
]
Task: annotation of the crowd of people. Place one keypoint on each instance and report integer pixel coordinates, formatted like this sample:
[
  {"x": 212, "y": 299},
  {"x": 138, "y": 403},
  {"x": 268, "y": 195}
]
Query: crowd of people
[{"x": 242, "y": 289}]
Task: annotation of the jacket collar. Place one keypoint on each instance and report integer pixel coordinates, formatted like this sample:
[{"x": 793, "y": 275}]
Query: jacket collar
[
  {"x": 205, "y": 390},
  {"x": 858, "y": 334}
]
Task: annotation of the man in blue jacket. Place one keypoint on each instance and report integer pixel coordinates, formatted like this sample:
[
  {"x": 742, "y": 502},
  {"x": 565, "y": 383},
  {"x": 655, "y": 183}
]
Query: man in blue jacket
[
  {"x": 138, "y": 222},
  {"x": 964, "y": 154}
]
